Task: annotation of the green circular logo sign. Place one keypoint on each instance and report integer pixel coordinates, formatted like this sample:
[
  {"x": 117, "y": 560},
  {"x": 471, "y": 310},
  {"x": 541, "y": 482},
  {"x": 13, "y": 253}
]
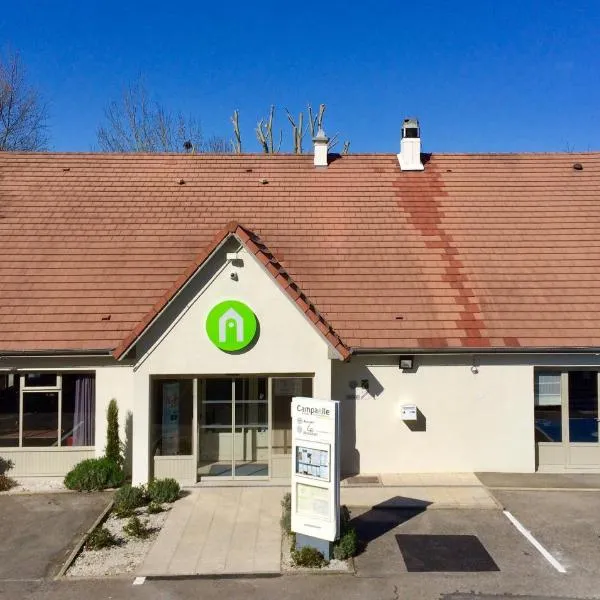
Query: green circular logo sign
[{"x": 231, "y": 325}]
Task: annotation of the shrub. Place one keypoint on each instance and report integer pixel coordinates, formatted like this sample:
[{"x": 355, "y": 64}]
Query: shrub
[
  {"x": 347, "y": 545},
  {"x": 6, "y": 482},
  {"x": 5, "y": 465},
  {"x": 94, "y": 474},
  {"x": 154, "y": 508},
  {"x": 130, "y": 497},
  {"x": 100, "y": 538},
  {"x": 113, "y": 443},
  {"x": 286, "y": 514},
  {"x": 308, "y": 557},
  {"x": 137, "y": 528},
  {"x": 164, "y": 490}
]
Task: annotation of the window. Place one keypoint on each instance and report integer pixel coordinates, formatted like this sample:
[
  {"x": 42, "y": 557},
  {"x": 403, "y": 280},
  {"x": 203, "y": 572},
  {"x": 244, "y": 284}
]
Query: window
[
  {"x": 547, "y": 410},
  {"x": 9, "y": 410},
  {"x": 172, "y": 414},
  {"x": 47, "y": 409}
]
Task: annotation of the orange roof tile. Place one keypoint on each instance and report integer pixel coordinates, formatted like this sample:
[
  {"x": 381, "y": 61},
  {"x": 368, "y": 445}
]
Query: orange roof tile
[{"x": 477, "y": 251}]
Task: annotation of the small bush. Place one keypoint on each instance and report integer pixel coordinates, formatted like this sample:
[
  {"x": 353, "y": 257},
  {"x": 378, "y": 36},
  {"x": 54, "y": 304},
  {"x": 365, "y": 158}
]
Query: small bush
[
  {"x": 123, "y": 513},
  {"x": 154, "y": 508},
  {"x": 5, "y": 465},
  {"x": 347, "y": 545},
  {"x": 130, "y": 497},
  {"x": 94, "y": 474},
  {"x": 6, "y": 482},
  {"x": 100, "y": 538},
  {"x": 137, "y": 528},
  {"x": 163, "y": 490},
  {"x": 308, "y": 557}
]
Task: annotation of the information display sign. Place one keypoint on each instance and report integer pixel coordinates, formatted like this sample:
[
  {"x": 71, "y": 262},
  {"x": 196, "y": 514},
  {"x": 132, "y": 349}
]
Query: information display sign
[{"x": 315, "y": 468}]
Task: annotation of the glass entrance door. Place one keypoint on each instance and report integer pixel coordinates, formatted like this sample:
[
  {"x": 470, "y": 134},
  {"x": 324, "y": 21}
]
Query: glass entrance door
[
  {"x": 566, "y": 419},
  {"x": 233, "y": 427}
]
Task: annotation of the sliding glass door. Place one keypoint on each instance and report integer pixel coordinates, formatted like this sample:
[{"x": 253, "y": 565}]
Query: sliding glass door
[{"x": 233, "y": 427}]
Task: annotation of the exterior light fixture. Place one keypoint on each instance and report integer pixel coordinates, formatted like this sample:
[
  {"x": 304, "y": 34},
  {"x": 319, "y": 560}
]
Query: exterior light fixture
[{"x": 406, "y": 363}]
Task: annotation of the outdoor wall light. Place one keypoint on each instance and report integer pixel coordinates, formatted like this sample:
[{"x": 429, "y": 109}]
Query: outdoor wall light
[
  {"x": 406, "y": 363},
  {"x": 364, "y": 384}
]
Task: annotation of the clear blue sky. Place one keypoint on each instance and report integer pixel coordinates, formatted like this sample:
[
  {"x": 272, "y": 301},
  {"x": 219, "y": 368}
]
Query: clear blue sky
[{"x": 482, "y": 76}]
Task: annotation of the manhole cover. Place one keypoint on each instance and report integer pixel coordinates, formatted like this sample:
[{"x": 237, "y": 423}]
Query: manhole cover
[
  {"x": 455, "y": 553},
  {"x": 364, "y": 480}
]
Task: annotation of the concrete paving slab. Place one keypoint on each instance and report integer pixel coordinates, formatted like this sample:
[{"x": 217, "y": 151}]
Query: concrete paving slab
[
  {"x": 589, "y": 481},
  {"x": 219, "y": 531}
]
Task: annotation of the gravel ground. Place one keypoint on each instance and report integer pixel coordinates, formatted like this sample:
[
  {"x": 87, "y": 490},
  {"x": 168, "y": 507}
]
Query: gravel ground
[
  {"x": 123, "y": 558},
  {"x": 337, "y": 566},
  {"x": 36, "y": 485}
]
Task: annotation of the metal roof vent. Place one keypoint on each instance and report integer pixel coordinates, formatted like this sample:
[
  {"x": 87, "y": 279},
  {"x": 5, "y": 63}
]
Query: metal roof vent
[{"x": 410, "y": 146}]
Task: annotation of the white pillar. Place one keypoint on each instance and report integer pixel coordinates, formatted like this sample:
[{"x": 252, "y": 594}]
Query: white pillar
[{"x": 141, "y": 430}]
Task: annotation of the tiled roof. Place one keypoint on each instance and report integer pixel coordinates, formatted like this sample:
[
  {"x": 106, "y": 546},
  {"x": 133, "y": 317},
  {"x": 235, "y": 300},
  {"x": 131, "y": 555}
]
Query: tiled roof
[{"x": 477, "y": 251}]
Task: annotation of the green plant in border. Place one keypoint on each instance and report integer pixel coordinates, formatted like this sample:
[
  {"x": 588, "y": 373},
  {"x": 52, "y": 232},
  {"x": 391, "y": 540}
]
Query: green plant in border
[
  {"x": 308, "y": 557},
  {"x": 100, "y": 538},
  {"x": 94, "y": 474},
  {"x": 164, "y": 490},
  {"x": 154, "y": 508},
  {"x": 6, "y": 482},
  {"x": 137, "y": 528},
  {"x": 347, "y": 545},
  {"x": 113, "y": 442},
  {"x": 130, "y": 497}
]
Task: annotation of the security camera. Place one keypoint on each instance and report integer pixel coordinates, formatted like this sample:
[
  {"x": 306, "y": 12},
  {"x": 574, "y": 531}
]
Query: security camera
[{"x": 234, "y": 276}]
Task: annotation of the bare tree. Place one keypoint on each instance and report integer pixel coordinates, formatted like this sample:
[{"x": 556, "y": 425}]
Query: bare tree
[
  {"x": 264, "y": 133},
  {"x": 136, "y": 123},
  {"x": 23, "y": 115}
]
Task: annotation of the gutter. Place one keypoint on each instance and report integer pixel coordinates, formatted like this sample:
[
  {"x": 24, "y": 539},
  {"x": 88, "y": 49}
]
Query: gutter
[
  {"x": 54, "y": 353},
  {"x": 462, "y": 351}
]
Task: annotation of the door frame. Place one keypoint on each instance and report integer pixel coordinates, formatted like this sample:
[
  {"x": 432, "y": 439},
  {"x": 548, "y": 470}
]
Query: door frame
[
  {"x": 558, "y": 456},
  {"x": 201, "y": 398}
]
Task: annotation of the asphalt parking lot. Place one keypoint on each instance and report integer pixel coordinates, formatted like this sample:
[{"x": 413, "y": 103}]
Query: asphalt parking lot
[{"x": 40, "y": 530}]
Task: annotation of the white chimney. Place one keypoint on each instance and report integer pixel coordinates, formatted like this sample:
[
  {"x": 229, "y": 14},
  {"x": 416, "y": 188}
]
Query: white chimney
[
  {"x": 320, "y": 141},
  {"x": 410, "y": 146}
]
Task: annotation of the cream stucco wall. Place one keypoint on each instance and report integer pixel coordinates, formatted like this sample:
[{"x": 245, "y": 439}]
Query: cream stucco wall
[
  {"x": 470, "y": 421},
  {"x": 177, "y": 343}
]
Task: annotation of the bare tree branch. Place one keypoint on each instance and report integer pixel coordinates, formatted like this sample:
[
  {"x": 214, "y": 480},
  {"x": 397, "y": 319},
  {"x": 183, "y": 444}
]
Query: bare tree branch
[
  {"x": 138, "y": 124},
  {"x": 23, "y": 115}
]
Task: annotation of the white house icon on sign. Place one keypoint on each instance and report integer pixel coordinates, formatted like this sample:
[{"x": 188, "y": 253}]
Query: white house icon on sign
[{"x": 231, "y": 318}]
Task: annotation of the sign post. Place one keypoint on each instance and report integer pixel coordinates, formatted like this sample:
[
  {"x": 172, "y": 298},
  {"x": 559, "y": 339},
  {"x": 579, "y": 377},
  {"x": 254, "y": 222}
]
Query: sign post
[{"x": 315, "y": 473}]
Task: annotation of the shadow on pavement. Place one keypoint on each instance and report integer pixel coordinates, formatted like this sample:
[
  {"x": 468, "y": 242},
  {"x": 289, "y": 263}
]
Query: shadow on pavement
[{"x": 384, "y": 517}]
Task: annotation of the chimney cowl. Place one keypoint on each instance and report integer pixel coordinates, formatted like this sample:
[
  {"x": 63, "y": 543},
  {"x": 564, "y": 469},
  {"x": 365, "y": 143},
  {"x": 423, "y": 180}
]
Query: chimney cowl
[
  {"x": 410, "y": 146},
  {"x": 320, "y": 142}
]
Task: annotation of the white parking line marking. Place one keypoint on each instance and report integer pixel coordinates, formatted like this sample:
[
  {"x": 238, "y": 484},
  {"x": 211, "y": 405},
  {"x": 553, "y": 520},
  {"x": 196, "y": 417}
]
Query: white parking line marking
[
  {"x": 139, "y": 581},
  {"x": 535, "y": 543}
]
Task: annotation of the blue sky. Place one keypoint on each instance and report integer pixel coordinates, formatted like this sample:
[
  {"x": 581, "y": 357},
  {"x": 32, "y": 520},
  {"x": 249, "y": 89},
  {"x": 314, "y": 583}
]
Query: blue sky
[{"x": 482, "y": 76}]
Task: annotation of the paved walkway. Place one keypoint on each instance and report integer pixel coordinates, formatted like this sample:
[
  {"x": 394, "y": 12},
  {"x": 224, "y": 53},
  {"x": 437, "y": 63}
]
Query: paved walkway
[
  {"x": 420, "y": 490},
  {"x": 235, "y": 530},
  {"x": 538, "y": 481},
  {"x": 220, "y": 531}
]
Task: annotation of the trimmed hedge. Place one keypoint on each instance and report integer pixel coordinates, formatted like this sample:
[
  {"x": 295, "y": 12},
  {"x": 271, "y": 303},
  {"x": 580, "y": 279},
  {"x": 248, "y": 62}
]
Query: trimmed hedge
[{"x": 94, "y": 474}]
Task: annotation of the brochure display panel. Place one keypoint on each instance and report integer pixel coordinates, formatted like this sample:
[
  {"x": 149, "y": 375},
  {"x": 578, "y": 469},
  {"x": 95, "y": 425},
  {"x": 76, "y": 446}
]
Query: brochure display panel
[{"x": 315, "y": 468}]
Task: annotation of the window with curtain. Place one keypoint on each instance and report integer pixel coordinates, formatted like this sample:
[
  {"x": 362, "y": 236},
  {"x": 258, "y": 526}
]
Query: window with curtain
[{"x": 47, "y": 409}]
